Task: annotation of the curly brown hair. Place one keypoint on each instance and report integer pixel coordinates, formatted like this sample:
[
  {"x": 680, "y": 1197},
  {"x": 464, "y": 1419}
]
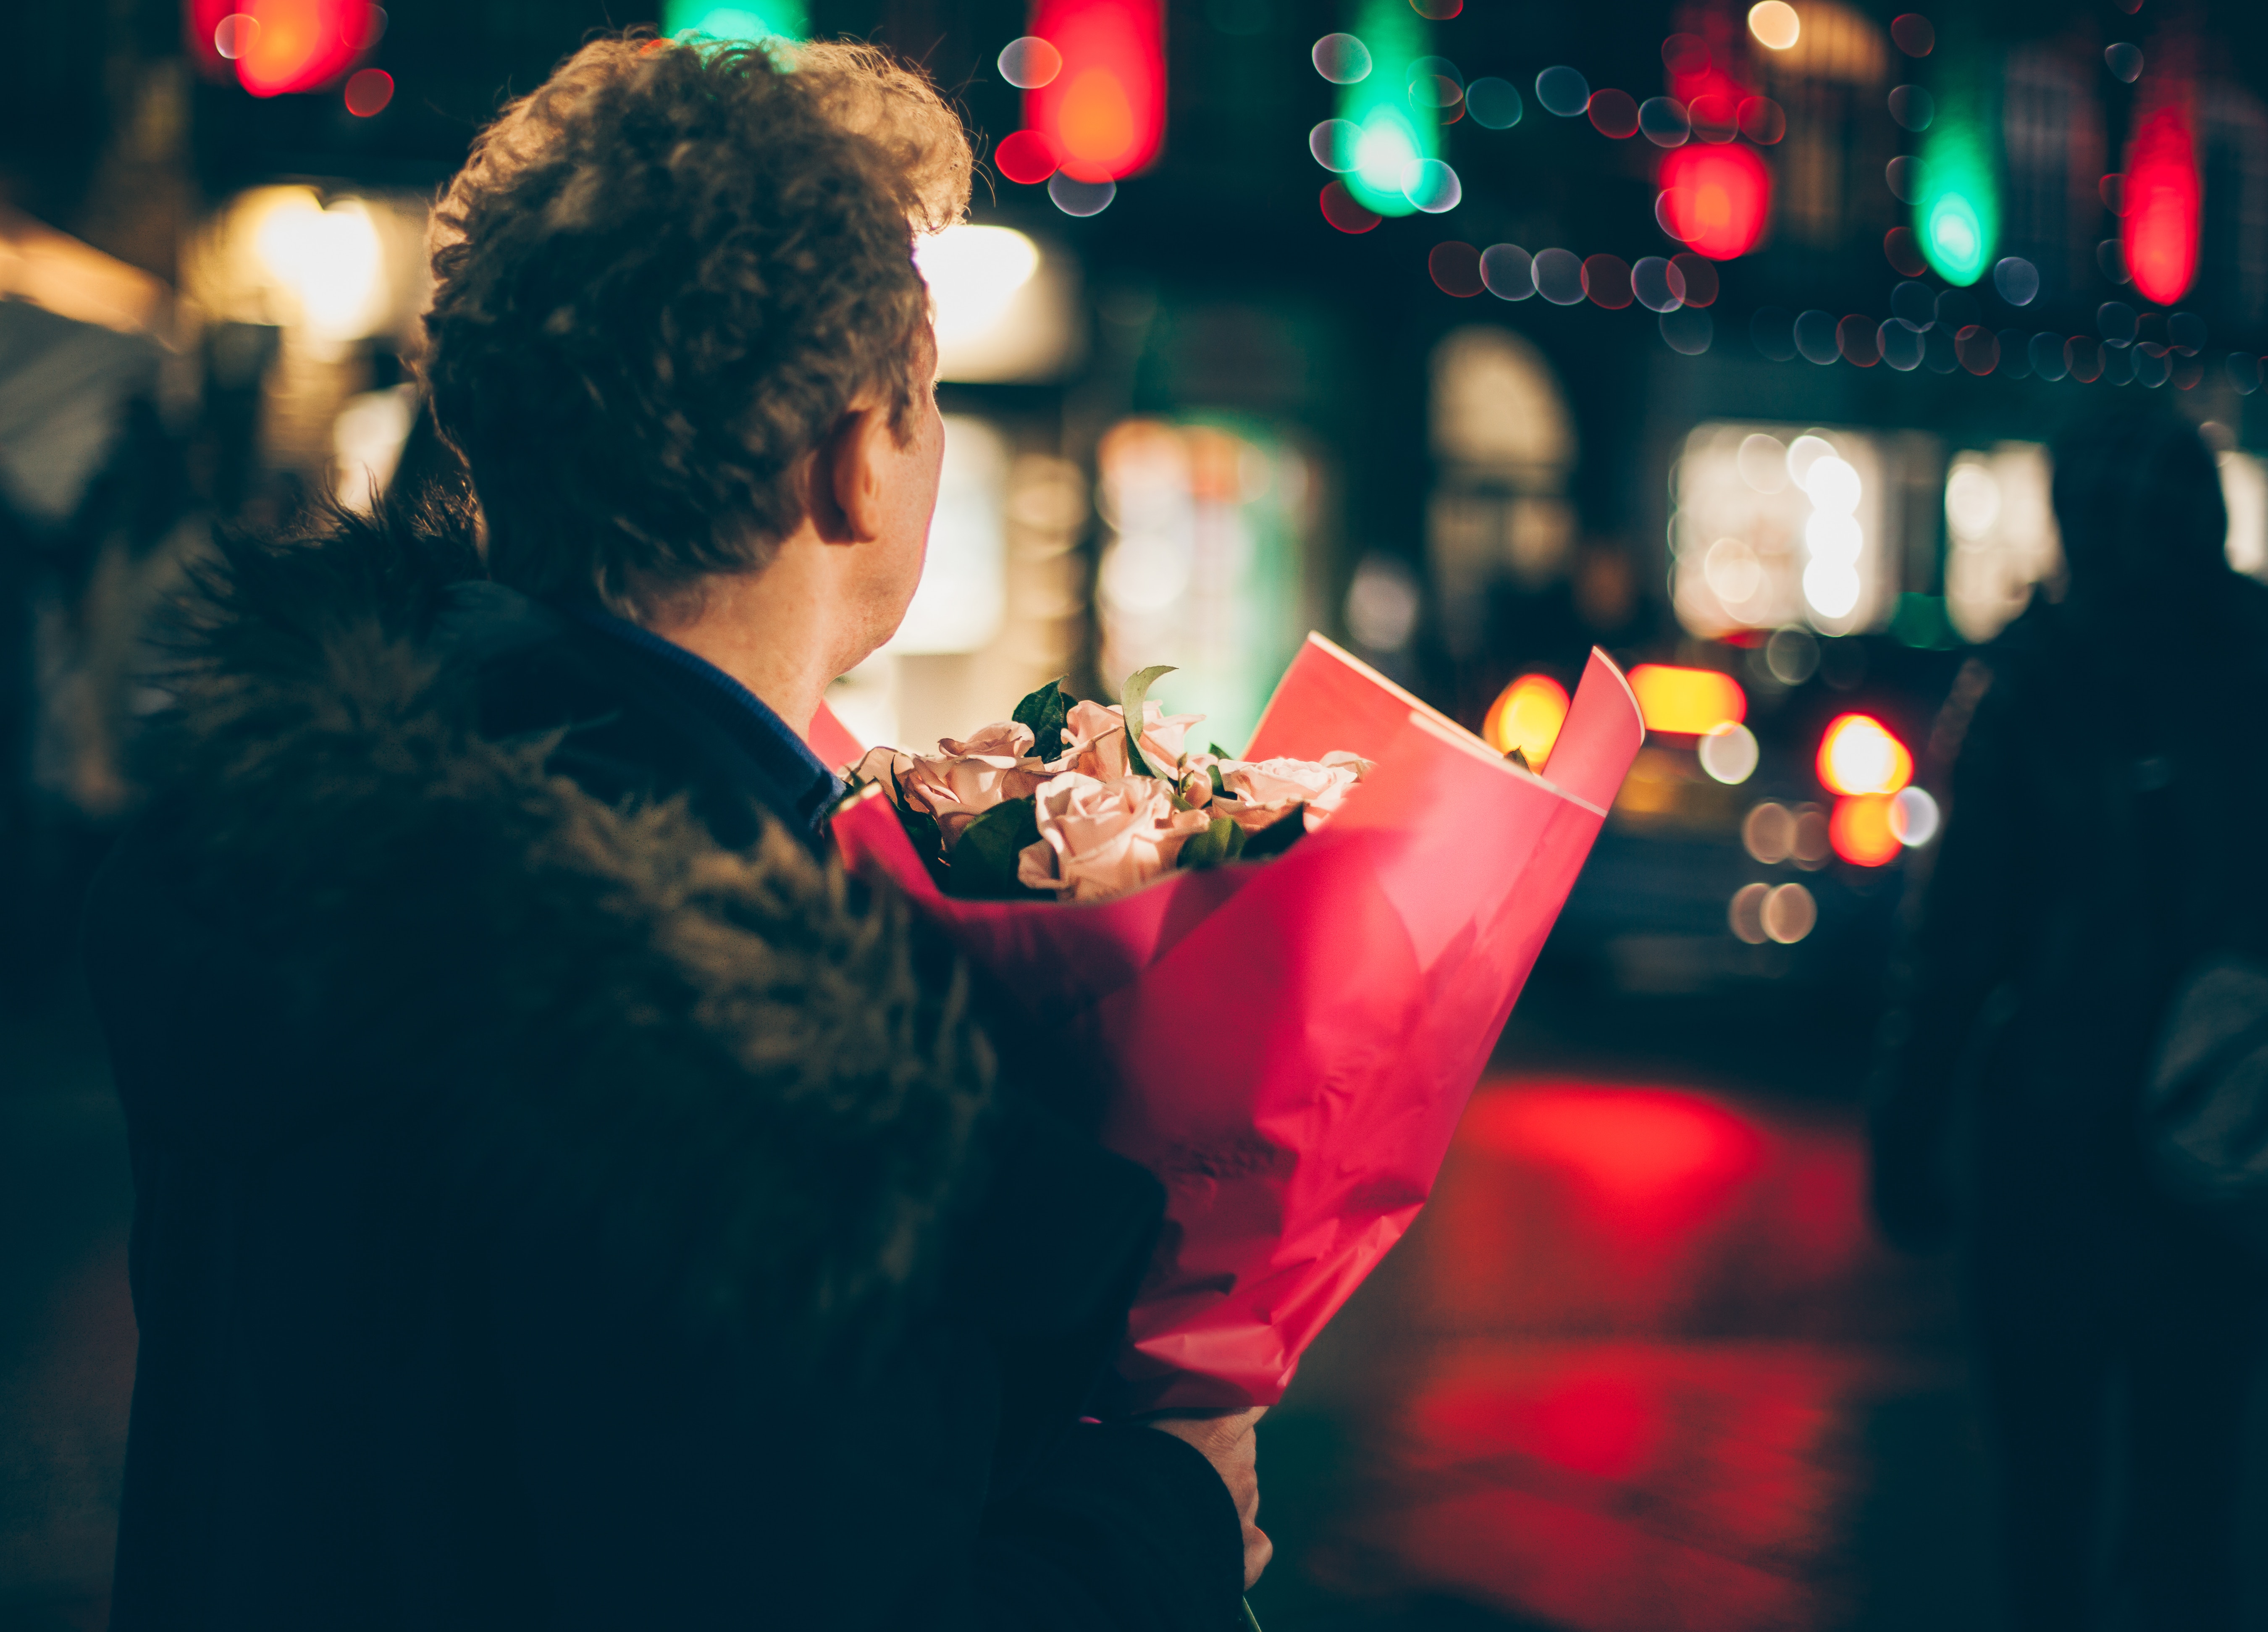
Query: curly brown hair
[{"x": 662, "y": 278}]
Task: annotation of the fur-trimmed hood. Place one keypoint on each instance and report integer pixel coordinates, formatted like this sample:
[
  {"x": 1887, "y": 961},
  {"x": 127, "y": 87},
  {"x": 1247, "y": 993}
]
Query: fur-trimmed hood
[{"x": 735, "y": 1062}]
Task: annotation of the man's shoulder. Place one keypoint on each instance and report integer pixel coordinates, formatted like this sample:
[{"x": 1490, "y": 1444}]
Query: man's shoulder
[{"x": 627, "y": 1017}]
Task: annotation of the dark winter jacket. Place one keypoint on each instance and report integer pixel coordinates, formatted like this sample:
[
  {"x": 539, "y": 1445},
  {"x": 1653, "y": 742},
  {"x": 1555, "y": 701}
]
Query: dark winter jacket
[
  {"x": 564, "y": 1201},
  {"x": 2102, "y": 834}
]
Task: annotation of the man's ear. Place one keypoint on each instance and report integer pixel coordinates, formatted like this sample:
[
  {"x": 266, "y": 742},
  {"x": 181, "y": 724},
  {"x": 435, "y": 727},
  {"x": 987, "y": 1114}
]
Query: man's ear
[{"x": 848, "y": 476}]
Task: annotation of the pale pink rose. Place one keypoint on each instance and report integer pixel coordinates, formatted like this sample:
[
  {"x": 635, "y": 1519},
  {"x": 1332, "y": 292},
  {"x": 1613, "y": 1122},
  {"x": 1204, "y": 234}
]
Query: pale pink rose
[
  {"x": 965, "y": 779},
  {"x": 1259, "y": 793},
  {"x": 1102, "y": 838},
  {"x": 1094, "y": 739}
]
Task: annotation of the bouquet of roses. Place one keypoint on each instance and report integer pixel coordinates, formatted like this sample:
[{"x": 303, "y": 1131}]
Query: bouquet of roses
[
  {"x": 1288, "y": 969},
  {"x": 1060, "y": 802}
]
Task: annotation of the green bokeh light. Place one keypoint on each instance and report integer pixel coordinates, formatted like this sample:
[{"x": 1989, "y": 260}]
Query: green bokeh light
[
  {"x": 1957, "y": 210},
  {"x": 772, "y": 19},
  {"x": 1394, "y": 133}
]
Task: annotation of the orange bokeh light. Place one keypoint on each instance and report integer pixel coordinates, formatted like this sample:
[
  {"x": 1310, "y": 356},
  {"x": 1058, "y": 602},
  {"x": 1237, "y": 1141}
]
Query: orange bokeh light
[
  {"x": 1860, "y": 829},
  {"x": 278, "y": 46},
  {"x": 1687, "y": 702},
  {"x": 1105, "y": 112},
  {"x": 1527, "y": 716},
  {"x": 1859, "y": 754}
]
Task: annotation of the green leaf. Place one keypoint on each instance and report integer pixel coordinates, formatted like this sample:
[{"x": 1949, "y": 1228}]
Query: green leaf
[
  {"x": 921, "y": 831},
  {"x": 1222, "y": 841},
  {"x": 1135, "y": 693},
  {"x": 1220, "y": 788},
  {"x": 1045, "y": 710},
  {"x": 983, "y": 864},
  {"x": 1219, "y": 752},
  {"x": 1278, "y": 836}
]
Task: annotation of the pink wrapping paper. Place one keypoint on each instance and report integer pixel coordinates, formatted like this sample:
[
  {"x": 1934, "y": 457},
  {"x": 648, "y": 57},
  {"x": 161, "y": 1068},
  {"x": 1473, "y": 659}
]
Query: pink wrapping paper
[{"x": 1290, "y": 1044}]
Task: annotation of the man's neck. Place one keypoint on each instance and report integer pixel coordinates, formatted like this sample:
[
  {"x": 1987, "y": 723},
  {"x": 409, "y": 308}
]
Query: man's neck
[{"x": 772, "y": 630}]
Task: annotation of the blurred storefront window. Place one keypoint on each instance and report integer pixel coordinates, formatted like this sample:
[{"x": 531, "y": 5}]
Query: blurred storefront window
[
  {"x": 1503, "y": 444},
  {"x": 1779, "y": 525},
  {"x": 1206, "y": 565},
  {"x": 1006, "y": 305},
  {"x": 2001, "y": 535}
]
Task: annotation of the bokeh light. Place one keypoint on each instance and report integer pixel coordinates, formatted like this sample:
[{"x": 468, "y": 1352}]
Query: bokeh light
[
  {"x": 1342, "y": 59},
  {"x": 1815, "y": 337},
  {"x": 1775, "y": 24},
  {"x": 284, "y": 46},
  {"x": 1607, "y": 282},
  {"x": 2164, "y": 202},
  {"x": 1664, "y": 122},
  {"x": 1105, "y": 109},
  {"x": 1026, "y": 157},
  {"x": 368, "y": 91},
  {"x": 1657, "y": 286},
  {"x": 2016, "y": 280},
  {"x": 2124, "y": 60},
  {"x": 1395, "y": 135},
  {"x": 1767, "y": 832},
  {"x": 1687, "y": 701},
  {"x": 1526, "y": 715},
  {"x": 1714, "y": 116},
  {"x": 1744, "y": 913},
  {"x": 1508, "y": 271},
  {"x": 1344, "y": 212},
  {"x": 1029, "y": 63},
  {"x": 1075, "y": 197},
  {"x": 1855, "y": 338},
  {"x": 1860, "y": 830},
  {"x": 1911, "y": 33},
  {"x": 1957, "y": 214},
  {"x": 1728, "y": 753},
  {"x": 1912, "y": 107},
  {"x": 1494, "y": 104},
  {"x": 736, "y": 19},
  {"x": 1902, "y": 248},
  {"x": 1333, "y": 144},
  {"x": 1613, "y": 113},
  {"x": 1715, "y": 200},
  {"x": 1455, "y": 268},
  {"x": 1431, "y": 185},
  {"x": 1858, "y": 755},
  {"x": 1763, "y": 120},
  {"x": 1562, "y": 91},
  {"x": 1789, "y": 914},
  {"x": 1914, "y": 817},
  {"x": 1559, "y": 276}
]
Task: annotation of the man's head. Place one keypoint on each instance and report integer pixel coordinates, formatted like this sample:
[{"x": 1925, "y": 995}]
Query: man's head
[
  {"x": 677, "y": 311},
  {"x": 2138, "y": 503}
]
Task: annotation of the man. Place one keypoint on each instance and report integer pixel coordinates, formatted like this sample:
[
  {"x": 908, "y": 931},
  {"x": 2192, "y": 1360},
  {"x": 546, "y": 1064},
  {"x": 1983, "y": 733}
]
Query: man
[
  {"x": 2102, "y": 838},
  {"x": 563, "y": 1201}
]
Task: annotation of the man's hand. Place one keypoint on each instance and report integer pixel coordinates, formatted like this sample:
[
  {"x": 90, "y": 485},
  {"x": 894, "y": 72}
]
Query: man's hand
[{"x": 1229, "y": 1443}]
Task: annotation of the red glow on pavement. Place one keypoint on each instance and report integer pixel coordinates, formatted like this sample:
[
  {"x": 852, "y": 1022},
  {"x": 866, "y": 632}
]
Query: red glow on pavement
[
  {"x": 1105, "y": 112},
  {"x": 1658, "y": 1162}
]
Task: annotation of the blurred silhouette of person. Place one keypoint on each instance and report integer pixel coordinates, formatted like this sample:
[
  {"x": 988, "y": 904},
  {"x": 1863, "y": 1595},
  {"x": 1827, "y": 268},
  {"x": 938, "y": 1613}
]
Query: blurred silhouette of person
[{"x": 2101, "y": 836}]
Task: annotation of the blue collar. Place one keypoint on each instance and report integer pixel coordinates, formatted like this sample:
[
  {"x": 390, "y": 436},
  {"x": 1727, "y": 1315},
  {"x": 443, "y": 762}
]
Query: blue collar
[{"x": 737, "y": 710}]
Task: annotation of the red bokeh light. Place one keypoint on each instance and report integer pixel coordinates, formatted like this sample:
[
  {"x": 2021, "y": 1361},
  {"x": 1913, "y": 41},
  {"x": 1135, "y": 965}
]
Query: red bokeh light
[
  {"x": 2163, "y": 201},
  {"x": 368, "y": 91},
  {"x": 1456, "y": 269},
  {"x": 290, "y": 45},
  {"x": 1346, "y": 212},
  {"x": 1026, "y": 157},
  {"x": 1715, "y": 199},
  {"x": 1105, "y": 114}
]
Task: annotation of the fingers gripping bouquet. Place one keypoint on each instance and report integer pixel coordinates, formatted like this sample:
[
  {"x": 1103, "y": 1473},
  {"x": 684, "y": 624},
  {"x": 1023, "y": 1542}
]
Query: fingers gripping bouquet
[{"x": 1290, "y": 969}]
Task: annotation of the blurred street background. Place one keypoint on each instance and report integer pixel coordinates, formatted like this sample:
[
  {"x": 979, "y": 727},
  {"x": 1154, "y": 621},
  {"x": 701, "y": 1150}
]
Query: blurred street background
[{"x": 1470, "y": 333}]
